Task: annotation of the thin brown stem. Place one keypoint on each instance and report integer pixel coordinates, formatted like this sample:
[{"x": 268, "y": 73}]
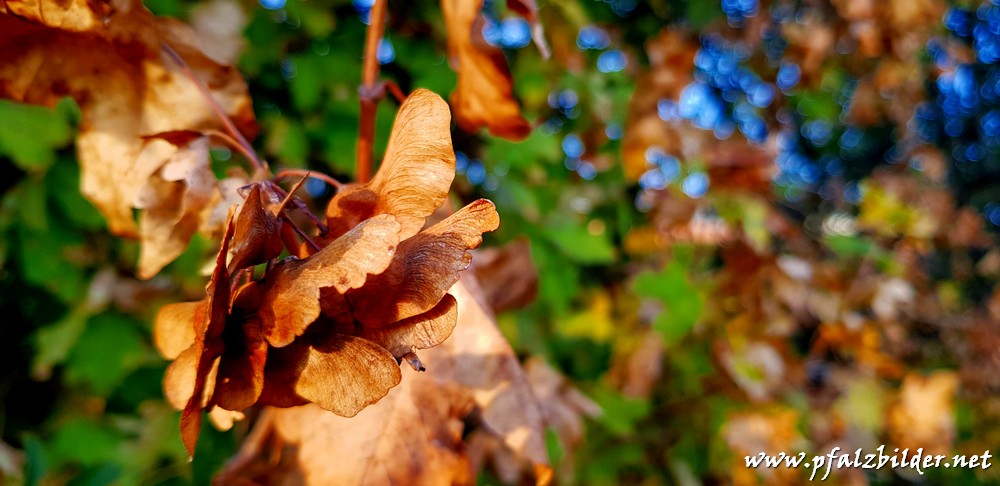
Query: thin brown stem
[
  {"x": 368, "y": 91},
  {"x": 300, "y": 206},
  {"x": 298, "y": 231},
  {"x": 247, "y": 149},
  {"x": 291, "y": 194},
  {"x": 232, "y": 143},
  {"x": 394, "y": 88},
  {"x": 306, "y": 173}
]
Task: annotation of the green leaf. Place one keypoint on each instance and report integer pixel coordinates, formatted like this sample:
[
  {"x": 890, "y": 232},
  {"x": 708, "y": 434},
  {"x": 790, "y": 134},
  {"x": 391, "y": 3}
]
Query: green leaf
[
  {"x": 81, "y": 441},
  {"x": 36, "y": 461},
  {"x": 683, "y": 302},
  {"x": 580, "y": 245},
  {"x": 287, "y": 140},
  {"x": 306, "y": 87},
  {"x": 30, "y": 134},
  {"x": 109, "y": 349},
  {"x": 54, "y": 342},
  {"x": 63, "y": 187},
  {"x": 620, "y": 414}
]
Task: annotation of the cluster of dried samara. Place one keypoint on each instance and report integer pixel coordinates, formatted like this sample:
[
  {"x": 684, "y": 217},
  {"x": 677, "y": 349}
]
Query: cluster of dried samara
[{"x": 331, "y": 323}]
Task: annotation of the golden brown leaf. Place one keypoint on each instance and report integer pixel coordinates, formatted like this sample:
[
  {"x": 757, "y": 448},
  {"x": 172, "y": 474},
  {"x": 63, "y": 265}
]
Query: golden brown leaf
[
  {"x": 412, "y": 436},
  {"x": 256, "y": 239},
  {"x": 241, "y": 367},
  {"x": 415, "y": 174},
  {"x": 340, "y": 373},
  {"x": 107, "y": 56},
  {"x": 291, "y": 290},
  {"x": 419, "y": 332},
  {"x": 484, "y": 96},
  {"x": 172, "y": 331},
  {"x": 173, "y": 199},
  {"x": 424, "y": 267}
]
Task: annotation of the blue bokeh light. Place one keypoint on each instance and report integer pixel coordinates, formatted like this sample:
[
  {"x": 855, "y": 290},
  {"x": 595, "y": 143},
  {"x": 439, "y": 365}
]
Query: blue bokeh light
[
  {"x": 592, "y": 37},
  {"x": 385, "y": 53},
  {"x": 611, "y": 61},
  {"x": 273, "y": 4},
  {"x": 695, "y": 185},
  {"x": 572, "y": 146}
]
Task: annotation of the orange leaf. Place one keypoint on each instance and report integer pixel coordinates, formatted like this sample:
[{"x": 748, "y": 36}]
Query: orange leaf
[
  {"x": 412, "y": 436},
  {"x": 340, "y": 373},
  {"x": 173, "y": 199},
  {"x": 484, "y": 96},
  {"x": 107, "y": 56},
  {"x": 257, "y": 238},
  {"x": 415, "y": 175},
  {"x": 291, "y": 290},
  {"x": 424, "y": 268}
]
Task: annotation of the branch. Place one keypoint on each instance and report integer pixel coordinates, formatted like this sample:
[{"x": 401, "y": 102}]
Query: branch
[
  {"x": 244, "y": 145},
  {"x": 316, "y": 175},
  {"x": 368, "y": 92}
]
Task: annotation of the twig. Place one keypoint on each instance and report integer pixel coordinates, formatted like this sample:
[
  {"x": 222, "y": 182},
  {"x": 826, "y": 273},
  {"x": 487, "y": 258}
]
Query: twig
[
  {"x": 232, "y": 143},
  {"x": 291, "y": 194},
  {"x": 247, "y": 149},
  {"x": 298, "y": 204},
  {"x": 306, "y": 173},
  {"x": 368, "y": 91},
  {"x": 298, "y": 231},
  {"x": 395, "y": 90}
]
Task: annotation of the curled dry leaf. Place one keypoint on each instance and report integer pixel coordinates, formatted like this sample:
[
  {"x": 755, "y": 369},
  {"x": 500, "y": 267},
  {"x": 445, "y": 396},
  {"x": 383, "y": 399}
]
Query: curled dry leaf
[
  {"x": 190, "y": 379},
  {"x": 412, "y": 436},
  {"x": 291, "y": 292},
  {"x": 173, "y": 199},
  {"x": 415, "y": 434},
  {"x": 484, "y": 96},
  {"x": 257, "y": 236},
  {"x": 426, "y": 266},
  {"x": 107, "y": 56},
  {"x": 332, "y": 327}
]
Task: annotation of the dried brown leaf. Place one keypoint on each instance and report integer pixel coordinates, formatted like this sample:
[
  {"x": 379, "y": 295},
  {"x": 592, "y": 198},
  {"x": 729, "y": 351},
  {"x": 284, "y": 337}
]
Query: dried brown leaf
[
  {"x": 424, "y": 267},
  {"x": 291, "y": 290},
  {"x": 340, "y": 373},
  {"x": 484, "y": 96},
  {"x": 241, "y": 368},
  {"x": 414, "y": 177},
  {"x": 257, "y": 237},
  {"x": 107, "y": 56},
  {"x": 418, "y": 332},
  {"x": 507, "y": 275},
  {"x": 173, "y": 198},
  {"x": 172, "y": 331},
  {"x": 412, "y": 436},
  {"x": 209, "y": 325}
]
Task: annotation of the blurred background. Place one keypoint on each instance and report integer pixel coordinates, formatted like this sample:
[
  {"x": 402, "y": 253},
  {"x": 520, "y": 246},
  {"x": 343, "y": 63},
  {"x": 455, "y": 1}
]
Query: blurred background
[{"x": 735, "y": 226}]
